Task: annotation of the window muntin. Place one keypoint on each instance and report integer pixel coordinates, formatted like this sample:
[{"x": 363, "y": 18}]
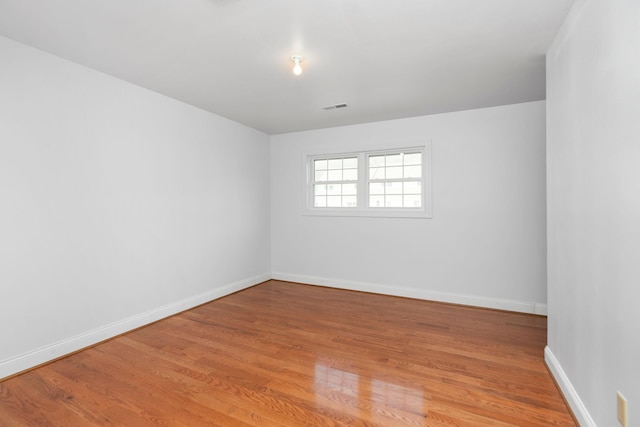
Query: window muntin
[
  {"x": 335, "y": 182},
  {"x": 395, "y": 180}
]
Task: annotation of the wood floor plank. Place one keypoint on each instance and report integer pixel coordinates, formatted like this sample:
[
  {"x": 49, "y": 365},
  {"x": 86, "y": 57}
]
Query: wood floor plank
[{"x": 285, "y": 354}]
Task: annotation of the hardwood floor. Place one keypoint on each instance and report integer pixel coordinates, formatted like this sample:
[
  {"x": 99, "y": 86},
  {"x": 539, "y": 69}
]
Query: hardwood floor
[{"x": 284, "y": 354}]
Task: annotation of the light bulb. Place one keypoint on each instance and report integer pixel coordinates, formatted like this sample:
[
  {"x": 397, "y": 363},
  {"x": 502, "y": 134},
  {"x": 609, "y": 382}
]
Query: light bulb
[{"x": 297, "y": 69}]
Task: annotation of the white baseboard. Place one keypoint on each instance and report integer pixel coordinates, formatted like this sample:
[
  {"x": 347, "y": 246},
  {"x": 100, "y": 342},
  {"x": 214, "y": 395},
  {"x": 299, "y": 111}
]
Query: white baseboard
[
  {"x": 61, "y": 348},
  {"x": 570, "y": 394},
  {"x": 473, "y": 300}
]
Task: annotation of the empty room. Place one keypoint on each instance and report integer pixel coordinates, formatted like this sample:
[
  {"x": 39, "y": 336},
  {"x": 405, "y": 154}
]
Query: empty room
[{"x": 319, "y": 213}]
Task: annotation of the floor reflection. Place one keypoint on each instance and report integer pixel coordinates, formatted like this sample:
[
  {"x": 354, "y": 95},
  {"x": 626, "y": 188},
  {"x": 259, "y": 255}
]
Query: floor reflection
[
  {"x": 367, "y": 397},
  {"x": 396, "y": 396},
  {"x": 328, "y": 379}
]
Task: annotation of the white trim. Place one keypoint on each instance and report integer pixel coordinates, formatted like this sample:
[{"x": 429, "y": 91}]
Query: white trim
[
  {"x": 376, "y": 288},
  {"x": 570, "y": 393},
  {"x": 370, "y": 212},
  {"x": 69, "y": 345}
]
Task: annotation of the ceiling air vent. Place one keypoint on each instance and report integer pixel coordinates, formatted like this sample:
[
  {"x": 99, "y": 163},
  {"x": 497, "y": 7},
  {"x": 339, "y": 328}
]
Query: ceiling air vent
[{"x": 334, "y": 106}]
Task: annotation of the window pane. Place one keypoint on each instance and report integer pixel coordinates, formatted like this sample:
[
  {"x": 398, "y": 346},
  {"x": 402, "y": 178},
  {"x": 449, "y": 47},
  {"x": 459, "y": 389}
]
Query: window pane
[
  {"x": 350, "y": 175},
  {"x": 376, "y": 173},
  {"x": 335, "y": 164},
  {"x": 376, "y": 161},
  {"x": 394, "y": 160},
  {"x": 393, "y": 188},
  {"x": 349, "y": 189},
  {"x": 413, "y": 159},
  {"x": 350, "y": 163},
  {"x": 394, "y": 172},
  {"x": 412, "y": 201},
  {"x": 335, "y": 175},
  {"x": 336, "y": 171},
  {"x": 393, "y": 201},
  {"x": 320, "y": 189},
  {"x": 413, "y": 187},
  {"x": 412, "y": 171},
  {"x": 321, "y": 176},
  {"x": 334, "y": 201},
  {"x": 320, "y": 165},
  {"x": 349, "y": 201},
  {"x": 376, "y": 201},
  {"x": 376, "y": 188},
  {"x": 334, "y": 189}
]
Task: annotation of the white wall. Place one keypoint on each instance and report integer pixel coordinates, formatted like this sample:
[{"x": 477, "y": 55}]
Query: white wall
[
  {"x": 117, "y": 206},
  {"x": 486, "y": 242},
  {"x": 593, "y": 145}
]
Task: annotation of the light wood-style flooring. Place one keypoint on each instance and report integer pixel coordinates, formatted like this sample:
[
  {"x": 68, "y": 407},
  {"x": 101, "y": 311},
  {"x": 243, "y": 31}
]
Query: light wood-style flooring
[{"x": 285, "y": 354}]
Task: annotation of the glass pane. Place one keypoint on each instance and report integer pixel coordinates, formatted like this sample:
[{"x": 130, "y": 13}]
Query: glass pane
[
  {"x": 413, "y": 159},
  {"x": 376, "y": 188},
  {"x": 412, "y": 201},
  {"x": 376, "y": 161},
  {"x": 320, "y": 202},
  {"x": 335, "y": 175},
  {"x": 320, "y": 189},
  {"x": 335, "y": 164},
  {"x": 376, "y": 201},
  {"x": 394, "y": 172},
  {"x": 350, "y": 175},
  {"x": 319, "y": 165},
  {"x": 393, "y": 188},
  {"x": 412, "y": 171},
  {"x": 393, "y": 201},
  {"x": 321, "y": 176},
  {"x": 413, "y": 187},
  {"x": 350, "y": 163},
  {"x": 334, "y": 201},
  {"x": 349, "y": 201},
  {"x": 349, "y": 189},
  {"x": 376, "y": 173},
  {"x": 394, "y": 160},
  {"x": 334, "y": 189}
]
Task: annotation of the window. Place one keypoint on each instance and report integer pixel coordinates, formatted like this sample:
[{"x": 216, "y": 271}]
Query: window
[
  {"x": 390, "y": 183},
  {"x": 395, "y": 180},
  {"x": 335, "y": 182}
]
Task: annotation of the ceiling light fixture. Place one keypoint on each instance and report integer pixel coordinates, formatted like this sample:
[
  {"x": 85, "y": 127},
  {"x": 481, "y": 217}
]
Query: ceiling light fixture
[{"x": 297, "y": 69}]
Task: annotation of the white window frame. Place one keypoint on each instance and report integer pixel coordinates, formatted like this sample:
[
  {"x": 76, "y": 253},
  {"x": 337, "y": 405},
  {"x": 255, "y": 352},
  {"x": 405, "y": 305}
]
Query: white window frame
[
  {"x": 329, "y": 181},
  {"x": 362, "y": 209}
]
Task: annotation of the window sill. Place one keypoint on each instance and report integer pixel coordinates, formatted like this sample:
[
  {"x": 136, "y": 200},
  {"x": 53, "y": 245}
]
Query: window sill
[{"x": 371, "y": 213}]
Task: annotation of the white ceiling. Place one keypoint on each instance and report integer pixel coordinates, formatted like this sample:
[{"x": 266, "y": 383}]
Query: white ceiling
[{"x": 386, "y": 59}]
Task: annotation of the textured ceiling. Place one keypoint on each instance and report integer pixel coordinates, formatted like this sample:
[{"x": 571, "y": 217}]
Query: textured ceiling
[{"x": 385, "y": 59}]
